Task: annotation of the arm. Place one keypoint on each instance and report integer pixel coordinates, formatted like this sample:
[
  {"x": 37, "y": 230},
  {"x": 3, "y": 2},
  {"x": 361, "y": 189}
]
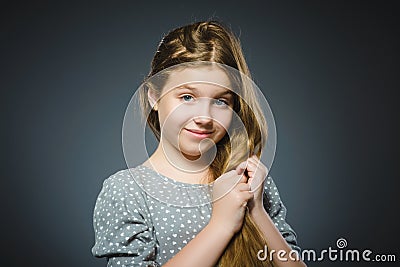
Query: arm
[
  {"x": 275, "y": 240},
  {"x": 230, "y": 196},
  {"x": 203, "y": 250},
  {"x": 269, "y": 218},
  {"x": 123, "y": 234}
]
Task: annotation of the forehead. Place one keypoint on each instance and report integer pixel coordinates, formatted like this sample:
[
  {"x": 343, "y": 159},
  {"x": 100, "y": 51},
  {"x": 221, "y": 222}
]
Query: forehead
[
  {"x": 212, "y": 76},
  {"x": 203, "y": 89}
]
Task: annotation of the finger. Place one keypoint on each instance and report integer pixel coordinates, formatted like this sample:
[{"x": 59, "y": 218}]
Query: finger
[
  {"x": 255, "y": 184},
  {"x": 253, "y": 162},
  {"x": 243, "y": 179},
  {"x": 258, "y": 163},
  {"x": 247, "y": 195},
  {"x": 251, "y": 169},
  {"x": 244, "y": 198},
  {"x": 226, "y": 175},
  {"x": 231, "y": 179},
  {"x": 256, "y": 166},
  {"x": 243, "y": 187},
  {"x": 241, "y": 167}
]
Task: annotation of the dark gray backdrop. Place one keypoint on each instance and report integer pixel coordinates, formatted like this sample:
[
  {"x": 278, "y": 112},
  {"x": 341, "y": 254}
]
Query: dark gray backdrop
[{"x": 329, "y": 71}]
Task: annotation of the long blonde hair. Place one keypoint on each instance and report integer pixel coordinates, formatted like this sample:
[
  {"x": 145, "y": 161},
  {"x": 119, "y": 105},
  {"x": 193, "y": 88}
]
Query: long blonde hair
[{"x": 211, "y": 41}]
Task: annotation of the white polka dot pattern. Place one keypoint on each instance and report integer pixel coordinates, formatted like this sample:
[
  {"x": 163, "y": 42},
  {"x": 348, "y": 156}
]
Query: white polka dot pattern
[{"x": 134, "y": 229}]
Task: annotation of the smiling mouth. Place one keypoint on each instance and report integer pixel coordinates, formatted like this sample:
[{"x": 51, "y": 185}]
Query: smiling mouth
[{"x": 199, "y": 133}]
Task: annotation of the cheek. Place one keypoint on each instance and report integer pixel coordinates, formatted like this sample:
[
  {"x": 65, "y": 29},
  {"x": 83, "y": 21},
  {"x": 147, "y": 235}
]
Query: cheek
[
  {"x": 175, "y": 115},
  {"x": 223, "y": 118}
]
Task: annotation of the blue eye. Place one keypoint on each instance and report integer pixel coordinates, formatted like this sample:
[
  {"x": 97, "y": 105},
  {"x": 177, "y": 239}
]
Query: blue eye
[
  {"x": 187, "y": 98},
  {"x": 221, "y": 102}
]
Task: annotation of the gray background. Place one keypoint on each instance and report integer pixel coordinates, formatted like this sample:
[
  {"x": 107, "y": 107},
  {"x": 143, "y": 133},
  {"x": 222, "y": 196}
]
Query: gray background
[{"x": 329, "y": 71}]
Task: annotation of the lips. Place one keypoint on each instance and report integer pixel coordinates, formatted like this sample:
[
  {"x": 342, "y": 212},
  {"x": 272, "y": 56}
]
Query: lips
[{"x": 199, "y": 133}]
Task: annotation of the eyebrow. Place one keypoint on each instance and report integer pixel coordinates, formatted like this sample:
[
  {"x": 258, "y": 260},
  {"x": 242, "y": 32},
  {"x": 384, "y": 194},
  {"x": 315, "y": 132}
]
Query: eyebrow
[{"x": 182, "y": 87}]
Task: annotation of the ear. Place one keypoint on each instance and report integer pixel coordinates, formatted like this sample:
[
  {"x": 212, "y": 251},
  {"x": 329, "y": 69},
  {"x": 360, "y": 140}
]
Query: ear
[{"x": 152, "y": 99}]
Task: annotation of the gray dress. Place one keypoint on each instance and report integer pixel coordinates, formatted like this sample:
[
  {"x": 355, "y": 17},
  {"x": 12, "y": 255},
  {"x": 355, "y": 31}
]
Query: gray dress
[{"x": 143, "y": 218}]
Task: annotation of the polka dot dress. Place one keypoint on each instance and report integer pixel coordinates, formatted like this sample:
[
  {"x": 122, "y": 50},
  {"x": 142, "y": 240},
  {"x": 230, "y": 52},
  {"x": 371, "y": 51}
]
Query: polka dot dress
[{"x": 142, "y": 218}]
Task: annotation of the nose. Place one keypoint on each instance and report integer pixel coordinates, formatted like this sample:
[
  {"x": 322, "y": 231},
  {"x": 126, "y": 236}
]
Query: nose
[
  {"x": 203, "y": 120},
  {"x": 203, "y": 112}
]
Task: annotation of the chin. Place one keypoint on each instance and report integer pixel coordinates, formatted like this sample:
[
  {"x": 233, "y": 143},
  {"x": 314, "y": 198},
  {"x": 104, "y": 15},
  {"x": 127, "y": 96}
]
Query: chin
[{"x": 191, "y": 155}]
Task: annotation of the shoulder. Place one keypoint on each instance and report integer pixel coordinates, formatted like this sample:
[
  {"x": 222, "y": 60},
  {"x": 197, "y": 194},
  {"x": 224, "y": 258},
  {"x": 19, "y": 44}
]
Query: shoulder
[
  {"x": 270, "y": 188},
  {"x": 272, "y": 199},
  {"x": 125, "y": 178},
  {"x": 121, "y": 191},
  {"x": 122, "y": 184}
]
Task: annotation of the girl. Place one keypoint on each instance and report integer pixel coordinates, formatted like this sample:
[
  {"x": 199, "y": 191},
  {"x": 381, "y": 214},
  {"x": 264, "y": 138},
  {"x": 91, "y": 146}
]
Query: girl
[{"x": 200, "y": 199}]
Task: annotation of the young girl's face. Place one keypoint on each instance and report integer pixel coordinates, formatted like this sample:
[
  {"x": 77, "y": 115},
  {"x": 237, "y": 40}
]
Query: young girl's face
[{"x": 193, "y": 114}]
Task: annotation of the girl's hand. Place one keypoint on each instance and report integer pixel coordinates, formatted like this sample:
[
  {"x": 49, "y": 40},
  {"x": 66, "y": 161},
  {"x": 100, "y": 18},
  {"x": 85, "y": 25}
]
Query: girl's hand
[
  {"x": 231, "y": 193},
  {"x": 257, "y": 172}
]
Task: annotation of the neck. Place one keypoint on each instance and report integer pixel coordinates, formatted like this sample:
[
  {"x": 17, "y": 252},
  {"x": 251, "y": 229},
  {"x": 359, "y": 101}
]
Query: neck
[{"x": 186, "y": 168}]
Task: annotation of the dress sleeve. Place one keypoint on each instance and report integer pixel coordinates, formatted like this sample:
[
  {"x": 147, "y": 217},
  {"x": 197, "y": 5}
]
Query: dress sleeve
[
  {"x": 277, "y": 211},
  {"x": 123, "y": 229}
]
